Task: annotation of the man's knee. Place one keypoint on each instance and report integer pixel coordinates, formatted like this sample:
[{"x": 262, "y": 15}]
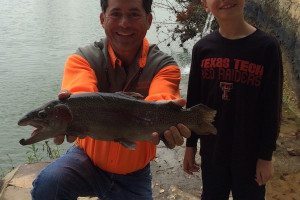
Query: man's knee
[
  {"x": 43, "y": 182},
  {"x": 51, "y": 181}
]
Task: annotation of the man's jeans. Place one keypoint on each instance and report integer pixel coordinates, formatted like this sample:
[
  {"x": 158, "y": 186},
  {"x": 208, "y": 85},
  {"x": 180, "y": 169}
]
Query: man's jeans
[{"x": 74, "y": 175}]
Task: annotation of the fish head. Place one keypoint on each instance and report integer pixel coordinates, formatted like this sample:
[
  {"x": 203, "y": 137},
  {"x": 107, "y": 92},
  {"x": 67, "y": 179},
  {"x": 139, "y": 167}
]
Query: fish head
[{"x": 50, "y": 120}]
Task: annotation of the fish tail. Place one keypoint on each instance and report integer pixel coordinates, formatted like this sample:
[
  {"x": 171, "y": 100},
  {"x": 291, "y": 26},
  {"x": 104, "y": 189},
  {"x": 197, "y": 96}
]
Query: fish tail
[{"x": 203, "y": 117}]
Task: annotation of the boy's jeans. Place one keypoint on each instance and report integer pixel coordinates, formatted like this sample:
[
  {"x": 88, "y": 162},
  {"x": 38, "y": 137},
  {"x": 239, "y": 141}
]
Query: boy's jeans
[{"x": 74, "y": 175}]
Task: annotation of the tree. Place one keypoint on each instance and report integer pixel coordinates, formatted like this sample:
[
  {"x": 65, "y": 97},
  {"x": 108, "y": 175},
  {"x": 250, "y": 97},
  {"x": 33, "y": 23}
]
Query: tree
[
  {"x": 267, "y": 15},
  {"x": 190, "y": 18}
]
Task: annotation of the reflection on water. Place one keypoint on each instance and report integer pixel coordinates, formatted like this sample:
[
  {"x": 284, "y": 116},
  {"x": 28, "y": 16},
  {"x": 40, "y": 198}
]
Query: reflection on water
[{"x": 36, "y": 36}]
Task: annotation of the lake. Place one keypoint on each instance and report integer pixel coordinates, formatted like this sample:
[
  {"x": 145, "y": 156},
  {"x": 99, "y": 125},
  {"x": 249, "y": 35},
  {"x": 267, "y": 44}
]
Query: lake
[{"x": 36, "y": 36}]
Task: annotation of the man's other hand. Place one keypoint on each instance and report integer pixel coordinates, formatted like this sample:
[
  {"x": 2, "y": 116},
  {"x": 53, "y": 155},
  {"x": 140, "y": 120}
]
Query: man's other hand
[{"x": 63, "y": 95}]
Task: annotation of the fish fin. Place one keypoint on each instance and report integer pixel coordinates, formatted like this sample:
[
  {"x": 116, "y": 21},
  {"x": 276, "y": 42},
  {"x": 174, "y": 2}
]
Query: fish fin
[
  {"x": 174, "y": 106},
  {"x": 62, "y": 112},
  {"x": 77, "y": 130},
  {"x": 204, "y": 117},
  {"x": 126, "y": 143},
  {"x": 131, "y": 95}
]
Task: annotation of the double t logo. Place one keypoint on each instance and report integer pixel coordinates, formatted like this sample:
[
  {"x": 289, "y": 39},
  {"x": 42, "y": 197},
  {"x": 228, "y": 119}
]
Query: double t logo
[{"x": 226, "y": 88}]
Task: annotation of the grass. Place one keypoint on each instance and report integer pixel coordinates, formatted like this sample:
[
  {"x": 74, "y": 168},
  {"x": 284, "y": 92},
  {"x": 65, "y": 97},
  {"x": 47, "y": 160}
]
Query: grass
[
  {"x": 3, "y": 172},
  {"x": 34, "y": 155}
]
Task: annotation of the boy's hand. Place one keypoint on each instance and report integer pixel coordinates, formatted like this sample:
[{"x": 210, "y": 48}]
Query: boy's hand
[
  {"x": 174, "y": 136},
  {"x": 189, "y": 163},
  {"x": 264, "y": 171},
  {"x": 63, "y": 95}
]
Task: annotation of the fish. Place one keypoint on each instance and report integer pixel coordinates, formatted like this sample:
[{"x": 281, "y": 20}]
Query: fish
[{"x": 120, "y": 117}]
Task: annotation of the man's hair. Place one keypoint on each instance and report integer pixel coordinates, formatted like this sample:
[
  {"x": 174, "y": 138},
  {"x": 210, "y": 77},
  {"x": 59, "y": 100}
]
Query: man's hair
[{"x": 147, "y": 4}]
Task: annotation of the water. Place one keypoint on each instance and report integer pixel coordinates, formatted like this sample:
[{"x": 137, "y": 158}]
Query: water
[{"x": 36, "y": 36}]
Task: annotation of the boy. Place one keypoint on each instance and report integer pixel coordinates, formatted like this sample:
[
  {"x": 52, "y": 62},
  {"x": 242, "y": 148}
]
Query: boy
[{"x": 236, "y": 70}]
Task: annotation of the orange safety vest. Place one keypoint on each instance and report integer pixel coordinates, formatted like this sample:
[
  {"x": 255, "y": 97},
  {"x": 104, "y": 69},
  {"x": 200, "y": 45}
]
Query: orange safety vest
[{"x": 96, "y": 68}]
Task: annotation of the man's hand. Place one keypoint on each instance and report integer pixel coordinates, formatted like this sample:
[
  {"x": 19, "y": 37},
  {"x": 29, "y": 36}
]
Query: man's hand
[
  {"x": 174, "y": 135},
  {"x": 264, "y": 171},
  {"x": 189, "y": 162},
  {"x": 63, "y": 95}
]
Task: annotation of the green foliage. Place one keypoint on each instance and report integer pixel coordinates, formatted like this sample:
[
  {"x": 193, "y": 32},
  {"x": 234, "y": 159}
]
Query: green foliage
[
  {"x": 12, "y": 167},
  {"x": 52, "y": 153},
  {"x": 2, "y": 173},
  {"x": 35, "y": 155},
  {"x": 10, "y": 161},
  {"x": 32, "y": 154}
]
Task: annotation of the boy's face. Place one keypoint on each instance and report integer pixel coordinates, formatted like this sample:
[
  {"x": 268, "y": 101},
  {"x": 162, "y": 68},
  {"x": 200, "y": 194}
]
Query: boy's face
[{"x": 225, "y": 9}]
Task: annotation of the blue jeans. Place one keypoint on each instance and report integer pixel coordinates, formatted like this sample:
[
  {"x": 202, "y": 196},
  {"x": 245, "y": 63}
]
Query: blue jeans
[{"x": 74, "y": 175}]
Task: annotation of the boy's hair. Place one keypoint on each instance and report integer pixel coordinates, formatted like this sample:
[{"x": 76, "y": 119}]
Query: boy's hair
[{"x": 147, "y": 4}]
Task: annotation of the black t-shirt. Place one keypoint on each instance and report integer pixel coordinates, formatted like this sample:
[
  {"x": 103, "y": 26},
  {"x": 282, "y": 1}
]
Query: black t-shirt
[{"x": 242, "y": 80}]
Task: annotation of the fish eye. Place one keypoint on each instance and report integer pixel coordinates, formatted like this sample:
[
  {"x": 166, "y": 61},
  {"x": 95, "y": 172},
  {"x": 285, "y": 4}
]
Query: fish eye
[{"x": 42, "y": 114}]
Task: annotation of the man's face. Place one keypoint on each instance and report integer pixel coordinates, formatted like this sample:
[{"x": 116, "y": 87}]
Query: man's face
[
  {"x": 125, "y": 23},
  {"x": 225, "y": 9}
]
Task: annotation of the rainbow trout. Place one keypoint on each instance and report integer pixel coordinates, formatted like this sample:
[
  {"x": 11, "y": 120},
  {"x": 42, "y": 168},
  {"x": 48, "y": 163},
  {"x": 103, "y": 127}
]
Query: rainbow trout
[{"x": 121, "y": 117}]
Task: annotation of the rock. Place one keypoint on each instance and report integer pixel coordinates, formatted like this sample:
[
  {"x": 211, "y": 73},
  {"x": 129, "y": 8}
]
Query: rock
[
  {"x": 5, "y": 182},
  {"x": 18, "y": 183},
  {"x": 279, "y": 143},
  {"x": 176, "y": 193},
  {"x": 15, "y": 193},
  {"x": 297, "y": 134},
  {"x": 293, "y": 152}
]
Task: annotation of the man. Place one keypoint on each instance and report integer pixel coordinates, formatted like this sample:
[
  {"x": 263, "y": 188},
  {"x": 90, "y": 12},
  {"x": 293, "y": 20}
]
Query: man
[{"x": 123, "y": 61}]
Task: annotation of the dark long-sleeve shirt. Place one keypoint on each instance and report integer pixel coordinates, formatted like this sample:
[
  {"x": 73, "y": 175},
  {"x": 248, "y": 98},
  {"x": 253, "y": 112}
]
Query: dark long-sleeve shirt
[{"x": 242, "y": 80}]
